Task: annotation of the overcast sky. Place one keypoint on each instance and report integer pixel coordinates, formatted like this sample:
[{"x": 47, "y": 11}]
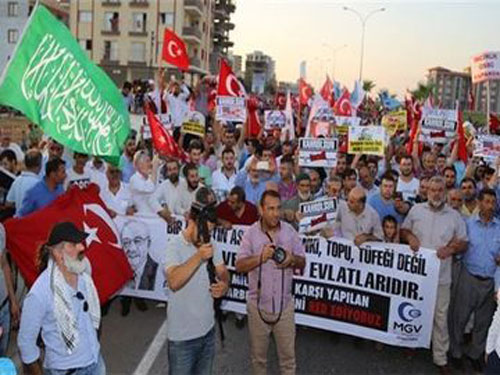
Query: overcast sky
[{"x": 401, "y": 43}]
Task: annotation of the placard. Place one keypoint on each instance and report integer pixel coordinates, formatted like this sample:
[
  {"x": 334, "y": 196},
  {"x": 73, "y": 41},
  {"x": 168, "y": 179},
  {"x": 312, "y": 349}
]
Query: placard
[
  {"x": 231, "y": 108},
  {"x": 485, "y": 66},
  {"x": 342, "y": 124},
  {"x": 487, "y": 147},
  {"x": 369, "y": 140},
  {"x": 318, "y": 152},
  {"x": 438, "y": 125},
  {"x": 395, "y": 121},
  {"x": 317, "y": 214},
  {"x": 194, "y": 123},
  {"x": 274, "y": 120}
]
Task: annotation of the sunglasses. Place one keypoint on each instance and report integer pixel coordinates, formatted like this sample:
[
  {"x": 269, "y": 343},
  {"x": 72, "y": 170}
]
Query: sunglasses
[{"x": 81, "y": 297}]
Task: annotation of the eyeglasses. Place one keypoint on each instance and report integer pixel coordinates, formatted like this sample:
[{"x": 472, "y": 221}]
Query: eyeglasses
[{"x": 81, "y": 297}]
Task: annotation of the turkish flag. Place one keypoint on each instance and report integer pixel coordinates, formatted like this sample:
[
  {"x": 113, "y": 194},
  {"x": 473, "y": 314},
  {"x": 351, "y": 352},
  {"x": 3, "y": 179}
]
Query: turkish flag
[
  {"x": 229, "y": 85},
  {"x": 163, "y": 142},
  {"x": 326, "y": 91},
  {"x": 462, "y": 143},
  {"x": 343, "y": 104},
  {"x": 84, "y": 208},
  {"x": 254, "y": 125},
  {"x": 174, "y": 50},
  {"x": 305, "y": 92}
]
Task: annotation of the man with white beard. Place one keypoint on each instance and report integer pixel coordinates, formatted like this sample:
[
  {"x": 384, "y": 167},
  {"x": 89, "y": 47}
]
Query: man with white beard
[
  {"x": 64, "y": 306},
  {"x": 435, "y": 225}
]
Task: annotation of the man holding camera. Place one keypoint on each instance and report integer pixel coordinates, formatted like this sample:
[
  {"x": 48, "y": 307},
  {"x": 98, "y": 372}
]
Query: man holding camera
[
  {"x": 190, "y": 323},
  {"x": 270, "y": 251}
]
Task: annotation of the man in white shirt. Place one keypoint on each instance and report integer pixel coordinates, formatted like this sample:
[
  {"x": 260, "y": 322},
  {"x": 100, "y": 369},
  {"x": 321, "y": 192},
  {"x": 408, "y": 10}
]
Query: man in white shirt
[
  {"x": 77, "y": 175},
  {"x": 177, "y": 103},
  {"x": 116, "y": 194},
  {"x": 223, "y": 179},
  {"x": 143, "y": 182},
  {"x": 166, "y": 197},
  {"x": 96, "y": 169},
  {"x": 26, "y": 180},
  {"x": 407, "y": 183}
]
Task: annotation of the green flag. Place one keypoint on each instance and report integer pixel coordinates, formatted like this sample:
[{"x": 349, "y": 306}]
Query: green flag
[{"x": 53, "y": 82}]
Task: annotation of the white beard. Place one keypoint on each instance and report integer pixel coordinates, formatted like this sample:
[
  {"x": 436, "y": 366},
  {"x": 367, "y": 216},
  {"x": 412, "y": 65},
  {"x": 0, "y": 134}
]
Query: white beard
[{"x": 75, "y": 265}]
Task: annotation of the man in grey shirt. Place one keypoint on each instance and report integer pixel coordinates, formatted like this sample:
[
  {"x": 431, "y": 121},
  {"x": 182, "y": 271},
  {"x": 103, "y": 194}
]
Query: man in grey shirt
[
  {"x": 435, "y": 225},
  {"x": 190, "y": 323},
  {"x": 356, "y": 221}
]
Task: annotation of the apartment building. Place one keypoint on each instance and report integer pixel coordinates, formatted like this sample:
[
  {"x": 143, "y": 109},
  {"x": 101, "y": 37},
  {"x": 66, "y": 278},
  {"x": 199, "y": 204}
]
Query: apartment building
[
  {"x": 125, "y": 37},
  {"x": 220, "y": 36},
  {"x": 13, "y": 17},
  {"x": 451, "y": 86}
]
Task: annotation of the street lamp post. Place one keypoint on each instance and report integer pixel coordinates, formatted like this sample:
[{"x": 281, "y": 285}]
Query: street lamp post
[
  {"x": 363, "y": 24},
  {"x": 334, "y": 54}
]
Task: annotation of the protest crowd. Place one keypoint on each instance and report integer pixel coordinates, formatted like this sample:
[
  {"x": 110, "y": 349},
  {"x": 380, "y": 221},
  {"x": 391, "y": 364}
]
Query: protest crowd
[{"x": 264, "y": 163}]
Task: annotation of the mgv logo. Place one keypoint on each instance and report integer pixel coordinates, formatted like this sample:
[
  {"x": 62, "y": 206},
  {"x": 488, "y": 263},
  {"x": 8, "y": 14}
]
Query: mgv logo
[{"x": 408, "y": 313}]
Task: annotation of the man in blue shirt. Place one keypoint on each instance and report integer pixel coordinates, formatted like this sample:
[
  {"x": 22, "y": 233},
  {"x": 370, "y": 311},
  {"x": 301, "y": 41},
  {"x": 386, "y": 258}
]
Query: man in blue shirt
[
  {"x": 475, "y": 285},
  {"x": 384, "y": 203},
  {"x": 47, "y": 189},
  {"x": 63, "y": 308},
  {"x": 127, "y": 160},
  {"x": 252, "y": 182}
]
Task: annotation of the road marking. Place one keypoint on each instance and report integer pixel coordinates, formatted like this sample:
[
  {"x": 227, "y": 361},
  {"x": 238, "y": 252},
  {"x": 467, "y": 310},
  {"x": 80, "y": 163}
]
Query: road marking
[{"x": 153, "y": 351}]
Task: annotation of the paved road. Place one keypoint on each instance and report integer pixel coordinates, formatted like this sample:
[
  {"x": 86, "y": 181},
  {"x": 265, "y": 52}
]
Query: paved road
[
  {"x": 136, "y": 345},
  {"x": 126, "y": 343}
]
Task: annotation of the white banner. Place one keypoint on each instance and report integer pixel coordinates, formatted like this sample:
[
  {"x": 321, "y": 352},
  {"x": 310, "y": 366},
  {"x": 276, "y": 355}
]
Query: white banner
[
  {"x": 231, "y": 108},
  {"x": 380, "y": 291},
  {"x": 318, "y": 152},
  {"x": 485, "y": 66},
  {"x": 438, "y": 125}
]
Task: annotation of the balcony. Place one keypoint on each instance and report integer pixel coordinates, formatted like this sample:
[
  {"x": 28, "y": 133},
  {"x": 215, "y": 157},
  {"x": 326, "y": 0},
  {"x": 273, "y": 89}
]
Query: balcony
[
  {"x": 139, "y": 3},
  {"x": 192, "y": 34},
  {"x": 110, "y": 32},
  {"x": 193, "y": 7},
  {"x": 227, "y": 25},
  {"x": 111, "y": 3}
]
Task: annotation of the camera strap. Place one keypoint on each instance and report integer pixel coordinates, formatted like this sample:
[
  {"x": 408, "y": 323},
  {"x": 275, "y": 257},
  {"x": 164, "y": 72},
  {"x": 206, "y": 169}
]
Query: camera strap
[{"x": 259, "y": 286}]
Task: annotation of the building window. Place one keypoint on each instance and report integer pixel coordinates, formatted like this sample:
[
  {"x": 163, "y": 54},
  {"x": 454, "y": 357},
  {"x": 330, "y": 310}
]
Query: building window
[
  {"x": 167, "y": 19},
  {"x": 12, "y": 35},
  {"x": 12, "y": 9},
  {"x": 139, "y": 22},
  {"x": 85, "y": 16},
  {"x": 111, "y": 21},
  {"x": 110, "y": 50},
  {"x": 86, "y": 44},
  {"x": 138, "y": 52},
  {"x": 202, "y": 54}
]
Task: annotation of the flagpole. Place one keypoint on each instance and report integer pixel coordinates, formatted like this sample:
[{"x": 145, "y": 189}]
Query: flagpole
[{"x": 488, "y": 106}]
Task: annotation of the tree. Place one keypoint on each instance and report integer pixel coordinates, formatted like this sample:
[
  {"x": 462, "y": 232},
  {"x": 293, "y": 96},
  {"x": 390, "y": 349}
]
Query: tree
[
  {"x": 423, "y": 90},
  {"x": 368, "y": 85}
]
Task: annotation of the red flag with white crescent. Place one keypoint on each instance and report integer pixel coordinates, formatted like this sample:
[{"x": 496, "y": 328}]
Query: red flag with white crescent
[
  {"x": 83, "y": 207},
  {"x": 305, "y": 92},
  {"x": 326, "y": 91},
  {"x": 229, "y": 85},
  {"x": 163, "y": 142},
  {"x": 174, "y": 50},
  {"x": 343, "y": 104}
]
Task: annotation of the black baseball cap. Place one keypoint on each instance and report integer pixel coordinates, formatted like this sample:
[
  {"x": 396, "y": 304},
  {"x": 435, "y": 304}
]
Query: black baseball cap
[{"x": 66, "y": 232}]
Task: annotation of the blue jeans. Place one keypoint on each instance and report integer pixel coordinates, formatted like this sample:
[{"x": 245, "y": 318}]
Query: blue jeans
[
  {"x": 5, "y": 324},
  {"x": 98, "y": 368},
  {"x": 192, "y": 357}
]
